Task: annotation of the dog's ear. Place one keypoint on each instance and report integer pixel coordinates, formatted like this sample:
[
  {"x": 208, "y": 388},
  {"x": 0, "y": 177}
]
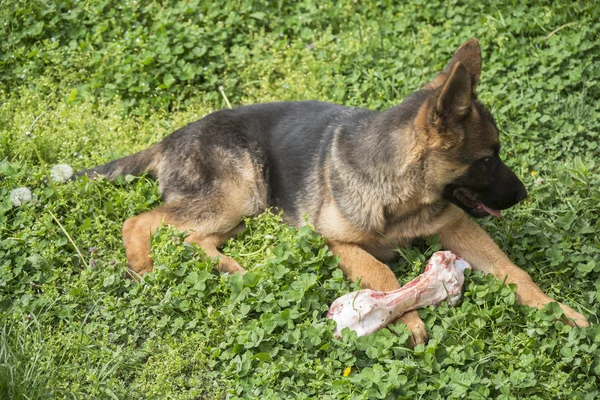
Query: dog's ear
[
  {"x": 454, "y": 101},
  {"x": 469, "y": 54}
]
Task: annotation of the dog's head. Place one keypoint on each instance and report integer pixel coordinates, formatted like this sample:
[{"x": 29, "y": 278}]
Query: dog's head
[{"x": 463, "y": 146}]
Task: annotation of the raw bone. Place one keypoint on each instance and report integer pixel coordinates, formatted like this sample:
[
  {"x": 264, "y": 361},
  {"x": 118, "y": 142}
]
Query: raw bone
[{"x": 366, "y": 311}]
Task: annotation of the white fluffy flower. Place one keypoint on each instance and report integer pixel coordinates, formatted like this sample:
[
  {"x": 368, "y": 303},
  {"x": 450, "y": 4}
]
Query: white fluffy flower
[
  {"x": 61, "y": 173},
  {"x": 20, "y": 195}
]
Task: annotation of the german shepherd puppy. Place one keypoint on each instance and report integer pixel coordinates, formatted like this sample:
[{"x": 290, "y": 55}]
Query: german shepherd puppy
[{"x": 370, "y": 181}]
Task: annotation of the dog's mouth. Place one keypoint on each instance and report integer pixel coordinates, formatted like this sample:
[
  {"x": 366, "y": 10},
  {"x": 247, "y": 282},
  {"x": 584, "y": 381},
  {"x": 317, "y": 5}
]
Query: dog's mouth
[{"x": 475, "y": 206}]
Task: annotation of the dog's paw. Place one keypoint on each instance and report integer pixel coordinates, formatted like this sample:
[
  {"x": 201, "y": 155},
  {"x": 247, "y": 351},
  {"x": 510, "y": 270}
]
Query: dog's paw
[
  {"x": 573, "y": 318},
  {"x": 135, "y": 271},
  {"x": 229, "y": 265},
  {"x": 416, "y": 326}
]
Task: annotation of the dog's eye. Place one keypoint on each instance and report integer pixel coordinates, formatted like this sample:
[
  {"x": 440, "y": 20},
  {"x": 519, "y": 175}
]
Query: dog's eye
[{"x": 487, "y": 159}]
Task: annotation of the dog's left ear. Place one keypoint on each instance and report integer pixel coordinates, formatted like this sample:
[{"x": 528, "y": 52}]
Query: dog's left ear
[
  {"x": 454, "y": 101},
  {"x": 469, "y": 55}
]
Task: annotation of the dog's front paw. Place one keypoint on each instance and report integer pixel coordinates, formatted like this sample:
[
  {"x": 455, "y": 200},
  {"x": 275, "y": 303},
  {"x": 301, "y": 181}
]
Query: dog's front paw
[
  {"x": 416, "y": 326},
  {"x": 573, "y": 318}
]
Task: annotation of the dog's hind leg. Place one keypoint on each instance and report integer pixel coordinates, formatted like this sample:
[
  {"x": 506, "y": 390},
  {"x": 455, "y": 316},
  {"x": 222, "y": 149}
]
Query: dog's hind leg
[
  {"x": 208, "y": 223},
  {"x": 210, "y": 244},
  {"x": 137, "y": 233},
  {"x": 208, "y": 190}
]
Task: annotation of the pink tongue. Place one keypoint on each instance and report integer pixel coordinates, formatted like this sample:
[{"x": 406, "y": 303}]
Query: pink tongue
[{"x": 496, "y": 213}]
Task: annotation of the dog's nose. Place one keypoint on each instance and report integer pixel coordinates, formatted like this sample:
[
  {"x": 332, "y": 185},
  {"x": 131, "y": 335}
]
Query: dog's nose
[{"x": 521, "y": 193}]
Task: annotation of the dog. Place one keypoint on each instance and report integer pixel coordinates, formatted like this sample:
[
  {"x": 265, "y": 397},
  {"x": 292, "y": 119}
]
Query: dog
[{"x": 369, "y": 181}]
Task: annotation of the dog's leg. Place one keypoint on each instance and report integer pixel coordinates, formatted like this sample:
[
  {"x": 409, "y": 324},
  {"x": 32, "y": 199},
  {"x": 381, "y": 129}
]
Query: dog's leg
[
  {"x": 210, "y": 244},
  {"x": 208, "y": 233},
  {"x": 358, "y": 263},
  {"x": 137, "y": 233},
  {"x": 472, "y": 243}
]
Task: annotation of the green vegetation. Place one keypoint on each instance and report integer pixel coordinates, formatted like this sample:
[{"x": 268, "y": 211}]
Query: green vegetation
[{"x": 85, "y": 82}]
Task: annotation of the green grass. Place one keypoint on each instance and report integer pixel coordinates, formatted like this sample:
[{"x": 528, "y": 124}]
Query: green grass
[{"x": 82, "y": 84}]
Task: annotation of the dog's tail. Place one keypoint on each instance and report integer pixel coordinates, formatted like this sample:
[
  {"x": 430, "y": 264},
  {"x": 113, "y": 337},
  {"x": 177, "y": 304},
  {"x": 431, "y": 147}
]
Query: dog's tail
[{"x": 135, "y": 164}]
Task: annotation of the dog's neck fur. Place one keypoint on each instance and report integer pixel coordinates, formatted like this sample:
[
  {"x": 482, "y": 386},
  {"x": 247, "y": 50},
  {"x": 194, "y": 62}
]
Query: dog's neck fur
[{"x": 395, "y": 185}]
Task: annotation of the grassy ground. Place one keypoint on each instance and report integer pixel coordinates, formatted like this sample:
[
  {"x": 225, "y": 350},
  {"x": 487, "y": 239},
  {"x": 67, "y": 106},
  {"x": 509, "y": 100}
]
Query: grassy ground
[{"x": 85, "y": 83}]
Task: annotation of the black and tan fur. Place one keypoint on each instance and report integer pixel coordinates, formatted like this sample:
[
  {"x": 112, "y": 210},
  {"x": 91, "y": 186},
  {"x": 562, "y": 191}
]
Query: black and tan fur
[{"x": 369, "y": 180}]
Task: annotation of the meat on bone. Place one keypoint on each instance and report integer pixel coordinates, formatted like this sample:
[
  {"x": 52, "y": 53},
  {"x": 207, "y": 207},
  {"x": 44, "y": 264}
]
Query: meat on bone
[{"x": 366, "y": 311}]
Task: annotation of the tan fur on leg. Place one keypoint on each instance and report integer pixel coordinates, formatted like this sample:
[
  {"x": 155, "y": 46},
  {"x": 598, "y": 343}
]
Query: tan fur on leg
[
  {"x": 472, "y": 243},
  {"x": 137, "y": 232},
  {"x": 357, "y": 263},
  {"x": 210, "y": 244}
]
